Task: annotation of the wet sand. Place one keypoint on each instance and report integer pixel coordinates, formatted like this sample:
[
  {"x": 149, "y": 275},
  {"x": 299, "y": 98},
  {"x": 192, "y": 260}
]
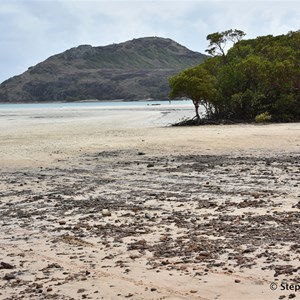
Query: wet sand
[{"x": 113, "y": 204}]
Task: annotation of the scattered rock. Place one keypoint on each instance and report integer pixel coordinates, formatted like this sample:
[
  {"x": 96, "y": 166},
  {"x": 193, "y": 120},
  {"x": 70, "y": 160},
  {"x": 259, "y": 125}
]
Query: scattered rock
[
  {"x": 197, "y": 200},
  {"x": 4, "y": 265},
  {"x": 106, "y": 212},
  {"x": 53, "y": 265},
  {"x": 9, "y": 276},
  {"x": 39, "y": 285},
  {"x": 148, "y": 216}
]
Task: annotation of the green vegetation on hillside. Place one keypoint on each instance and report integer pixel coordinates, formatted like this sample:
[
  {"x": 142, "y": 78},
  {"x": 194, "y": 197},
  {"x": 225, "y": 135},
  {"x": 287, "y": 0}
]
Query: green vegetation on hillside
[{"x": 257, "y": 79}]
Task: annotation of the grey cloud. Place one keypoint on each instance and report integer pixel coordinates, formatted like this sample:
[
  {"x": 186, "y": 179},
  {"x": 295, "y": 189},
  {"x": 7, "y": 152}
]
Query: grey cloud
[{"x": 30, "y": 31}]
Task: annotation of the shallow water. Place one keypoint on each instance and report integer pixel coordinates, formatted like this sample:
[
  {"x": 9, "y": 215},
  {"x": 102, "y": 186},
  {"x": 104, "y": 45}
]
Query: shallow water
[{"x": 94, "y": 104}]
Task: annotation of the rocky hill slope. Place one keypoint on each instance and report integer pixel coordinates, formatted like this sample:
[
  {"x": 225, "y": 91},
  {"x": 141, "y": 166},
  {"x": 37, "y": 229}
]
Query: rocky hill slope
[{"x": 133, "y": 70}]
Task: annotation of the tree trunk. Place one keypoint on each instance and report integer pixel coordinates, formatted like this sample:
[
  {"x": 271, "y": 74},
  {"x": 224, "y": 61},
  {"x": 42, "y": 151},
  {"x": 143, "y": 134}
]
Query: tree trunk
[{"x": 196, "y": 104}]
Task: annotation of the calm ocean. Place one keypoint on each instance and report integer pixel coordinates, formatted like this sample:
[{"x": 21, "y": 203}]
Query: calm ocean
[{"x": 95, "y": 104}]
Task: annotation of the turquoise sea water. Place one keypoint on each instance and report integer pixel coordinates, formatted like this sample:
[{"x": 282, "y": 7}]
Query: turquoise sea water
[{"x": 94, "y": 104}]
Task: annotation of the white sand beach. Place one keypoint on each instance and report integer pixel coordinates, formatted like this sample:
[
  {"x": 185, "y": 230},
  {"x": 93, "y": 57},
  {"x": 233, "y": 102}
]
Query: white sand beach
[{"x": 112, "y": 203}]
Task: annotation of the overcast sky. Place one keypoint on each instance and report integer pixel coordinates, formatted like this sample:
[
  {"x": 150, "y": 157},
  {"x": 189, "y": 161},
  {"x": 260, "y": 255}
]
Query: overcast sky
[{"x": 33, "y": 30}]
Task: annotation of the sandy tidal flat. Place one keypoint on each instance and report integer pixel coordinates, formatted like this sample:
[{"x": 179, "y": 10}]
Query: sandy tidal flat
[{"x": 111, "y": 203}]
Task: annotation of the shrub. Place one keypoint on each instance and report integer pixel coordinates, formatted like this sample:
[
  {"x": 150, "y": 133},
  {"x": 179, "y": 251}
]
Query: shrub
[{"x": 263, "y": 118}]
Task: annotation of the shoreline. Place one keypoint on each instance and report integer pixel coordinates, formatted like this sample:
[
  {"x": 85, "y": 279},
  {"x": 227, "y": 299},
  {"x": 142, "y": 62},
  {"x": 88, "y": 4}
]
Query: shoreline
[
  {"x": 114, "y": 205},
  {"x": 95, "y": 101}
]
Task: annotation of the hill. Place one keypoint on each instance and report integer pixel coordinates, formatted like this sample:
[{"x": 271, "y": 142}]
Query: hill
[{"x": 133, "y": 70}]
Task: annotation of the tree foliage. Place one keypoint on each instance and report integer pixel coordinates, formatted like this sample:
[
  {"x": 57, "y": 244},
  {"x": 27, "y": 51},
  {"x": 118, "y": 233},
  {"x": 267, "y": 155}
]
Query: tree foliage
[
  {"x": 219, "y": 40},
  {"x": 254, "y": 77},
  {"x": 197, "y": 84}
]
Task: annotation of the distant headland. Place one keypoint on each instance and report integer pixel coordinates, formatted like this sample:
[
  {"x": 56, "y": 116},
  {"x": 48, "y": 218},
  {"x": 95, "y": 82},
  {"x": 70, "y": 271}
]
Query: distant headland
[{"x": 133, "y": 70}]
